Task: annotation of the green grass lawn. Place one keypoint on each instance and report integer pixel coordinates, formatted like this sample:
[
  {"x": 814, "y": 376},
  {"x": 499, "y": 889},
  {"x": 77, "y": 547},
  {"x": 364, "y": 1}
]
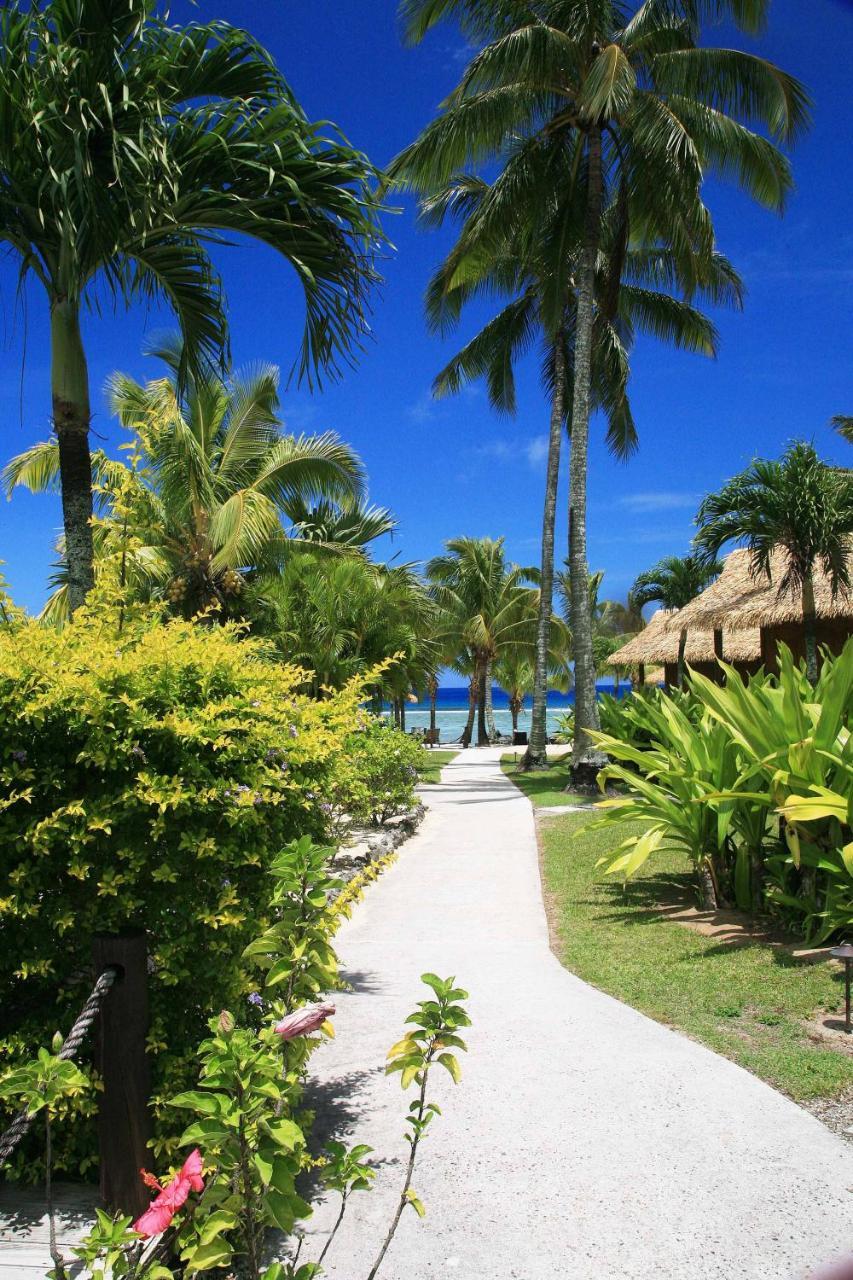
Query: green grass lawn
[
  {"x": 747, "y": 1000},
  {"x": 542, "y": 786},
  {"x": 432, "y": 762}
]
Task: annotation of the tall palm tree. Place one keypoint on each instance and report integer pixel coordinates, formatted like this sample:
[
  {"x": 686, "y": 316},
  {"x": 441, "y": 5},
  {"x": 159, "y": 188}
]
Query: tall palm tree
[
  {"x": 673, "y": 582},
  {"x": 796, "y": 504},
  {"x": 481, "y": 263},
  {"x": 483, "y": 605},
  {"x": 638, "y": 112},
  {"x": 126, "y": 145},
  {"x": 216, "y": 481}
]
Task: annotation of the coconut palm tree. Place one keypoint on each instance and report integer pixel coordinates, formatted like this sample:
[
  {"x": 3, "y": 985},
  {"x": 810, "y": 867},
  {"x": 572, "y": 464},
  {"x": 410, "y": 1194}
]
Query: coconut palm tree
[
  {"x": 673, "y": 582},
  {"x": 796, "y": 504},
  {"x": 483, "y": 605},
  {"x": 638, "y": 112},
  {"x": 216, "y": 481},
  {"x": 126, "y": 146},
  {"x": 843, "y": 424},
  {"x": 643, "y": 301},
  {"x": 338, "y": 617}
]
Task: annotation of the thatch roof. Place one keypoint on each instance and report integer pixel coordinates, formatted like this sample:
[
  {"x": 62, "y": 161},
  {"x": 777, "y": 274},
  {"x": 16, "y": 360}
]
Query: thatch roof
[
  {"x": 659, "y": 643},
  {"x": 738, "y": 600}
]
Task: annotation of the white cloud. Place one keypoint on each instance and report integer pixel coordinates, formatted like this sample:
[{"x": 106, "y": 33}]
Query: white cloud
[
  {"x": 658, "y": 500},
  {"x": 423, "y": 410},
  {"x": 533, "y": 452}
]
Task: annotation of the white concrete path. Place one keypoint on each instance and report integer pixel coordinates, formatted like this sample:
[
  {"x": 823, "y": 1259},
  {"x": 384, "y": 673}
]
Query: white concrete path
[{"x": 585, "y": 1142}]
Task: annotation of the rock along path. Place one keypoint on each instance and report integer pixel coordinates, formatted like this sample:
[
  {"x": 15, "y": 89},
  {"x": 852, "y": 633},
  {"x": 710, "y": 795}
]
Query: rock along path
[{"x": 585, "y": 1142}]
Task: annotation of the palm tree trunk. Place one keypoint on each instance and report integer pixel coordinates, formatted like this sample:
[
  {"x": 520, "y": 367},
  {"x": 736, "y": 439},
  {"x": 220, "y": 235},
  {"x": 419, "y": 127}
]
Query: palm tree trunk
[
  {"x": 810, "y": 630},
  {"x": 482, "y": 732},
  {"x": 402, "y": 714},
  {"x": 586, "y": 712},
  {"x": 536, "y": 757},
  {"x": 472, "y": 708},
  {"x": 682, "y": 645},
  {"x": 71, "y": 418},
  {"x": 514, "y": 708},
  {"x": 491, "y": 727}
]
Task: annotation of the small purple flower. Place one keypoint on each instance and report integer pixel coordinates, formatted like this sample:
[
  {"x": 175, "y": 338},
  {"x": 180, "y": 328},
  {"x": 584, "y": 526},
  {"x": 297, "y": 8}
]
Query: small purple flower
[
  {"x": 137, "y": 751},
  {"x": 284, "y": 766},
  {"x": 256, "y": 1000},
  {"x": 256, "y": 703},
  {"x": 293, "y": 731},
  {"x": 242, "y": 789},
  {"x": 227, "y": 794},
  {"x": 325, "y": 807},
  {"x": 258, "y": 800},
  {"x": 20, "y": 757}
]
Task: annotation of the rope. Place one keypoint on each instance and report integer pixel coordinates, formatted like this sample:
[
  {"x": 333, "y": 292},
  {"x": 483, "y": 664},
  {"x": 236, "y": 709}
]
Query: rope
[{"x": 74, "y": 1040}]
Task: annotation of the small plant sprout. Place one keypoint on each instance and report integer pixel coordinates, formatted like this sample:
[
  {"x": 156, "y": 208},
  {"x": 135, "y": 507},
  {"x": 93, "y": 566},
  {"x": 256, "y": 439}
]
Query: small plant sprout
[
  {"x": 344, "y": 1172},
  {"x": 432, "y": 1037}
]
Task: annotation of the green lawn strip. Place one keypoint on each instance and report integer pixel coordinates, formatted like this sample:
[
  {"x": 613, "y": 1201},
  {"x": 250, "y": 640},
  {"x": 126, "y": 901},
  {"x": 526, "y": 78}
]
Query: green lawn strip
[
  {"x": 542, "y": 786},
  {"x": 432, "y": 763},
  {"x": 748, "y": 1001}
]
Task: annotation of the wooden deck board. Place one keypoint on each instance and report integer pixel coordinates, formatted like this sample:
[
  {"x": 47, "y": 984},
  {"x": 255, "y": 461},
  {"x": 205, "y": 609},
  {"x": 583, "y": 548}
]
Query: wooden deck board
[{"x": 24, "y": 1233}]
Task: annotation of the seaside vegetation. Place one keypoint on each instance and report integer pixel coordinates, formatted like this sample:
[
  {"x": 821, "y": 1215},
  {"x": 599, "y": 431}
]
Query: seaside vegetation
[{"x": 215, "y": 692}]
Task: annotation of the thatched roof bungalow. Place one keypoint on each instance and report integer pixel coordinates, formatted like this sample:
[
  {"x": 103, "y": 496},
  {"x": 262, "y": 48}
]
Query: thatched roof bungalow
[
  {"x": 739, "y": 601},
  {"x": 658, "y": 644}
]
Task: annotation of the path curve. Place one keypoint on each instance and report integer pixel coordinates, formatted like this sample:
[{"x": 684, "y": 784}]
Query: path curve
[{"x": 586, "y": 1142}]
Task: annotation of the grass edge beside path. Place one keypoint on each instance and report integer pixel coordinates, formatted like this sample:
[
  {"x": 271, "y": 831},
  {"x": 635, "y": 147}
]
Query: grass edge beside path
[
  {"x": 434, "y": 760},
  {"x": 543, "y": 787},
  {"x": 752, "y": 1002}
]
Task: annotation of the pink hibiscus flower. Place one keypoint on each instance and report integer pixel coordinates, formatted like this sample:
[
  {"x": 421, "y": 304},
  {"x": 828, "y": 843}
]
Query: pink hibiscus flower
[
  {"x": 304, "y": 1021},
  {"x": 173, "y": 1196}
]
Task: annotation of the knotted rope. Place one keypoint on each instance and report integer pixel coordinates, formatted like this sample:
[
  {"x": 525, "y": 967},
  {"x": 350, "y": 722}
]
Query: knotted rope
[{"x": 73, "y": 1042}]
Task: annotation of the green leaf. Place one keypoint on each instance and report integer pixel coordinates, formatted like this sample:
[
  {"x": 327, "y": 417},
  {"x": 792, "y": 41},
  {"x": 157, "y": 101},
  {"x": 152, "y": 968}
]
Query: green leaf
[
  {"x": 415, "y": 1202},
  {"x": 448, "y": 1061}
]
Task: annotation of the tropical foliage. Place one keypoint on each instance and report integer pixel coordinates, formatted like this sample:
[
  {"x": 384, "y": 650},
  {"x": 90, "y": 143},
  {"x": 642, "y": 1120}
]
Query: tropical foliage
[
  {"x": 673, "y": 582},
  {"x": 752, "y": 780},
  {"x": 151, "y": 776},
  {"x": 604, "y": 120},
  {"x": 485, "y": 608},
  {"x": 127, "y": 145},
  {"x": 797, "y": 505}
]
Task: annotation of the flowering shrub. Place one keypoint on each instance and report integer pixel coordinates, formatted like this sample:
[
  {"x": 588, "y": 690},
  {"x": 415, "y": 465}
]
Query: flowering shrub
[
  {"x": 381, "y": 770},
  {"x": 147, "y": 778},
  {"x": 246, "y": 1130},
  {"x": 252, "y": 1148}
]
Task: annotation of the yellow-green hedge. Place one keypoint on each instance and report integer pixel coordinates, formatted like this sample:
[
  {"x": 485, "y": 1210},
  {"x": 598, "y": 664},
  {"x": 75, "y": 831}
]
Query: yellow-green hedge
[{"x": 147, "y": 778}]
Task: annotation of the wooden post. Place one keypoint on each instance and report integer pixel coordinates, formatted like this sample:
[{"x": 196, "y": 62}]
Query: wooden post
[
  {"x": 641, "y": 673},
  {"x": 718, "y": 642},
  {"x": 124, "y": 1122}
]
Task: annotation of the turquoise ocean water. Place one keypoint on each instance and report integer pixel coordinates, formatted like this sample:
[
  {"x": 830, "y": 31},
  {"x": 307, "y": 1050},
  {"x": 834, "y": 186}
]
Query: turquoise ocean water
[{"x": 452, "y": 710}]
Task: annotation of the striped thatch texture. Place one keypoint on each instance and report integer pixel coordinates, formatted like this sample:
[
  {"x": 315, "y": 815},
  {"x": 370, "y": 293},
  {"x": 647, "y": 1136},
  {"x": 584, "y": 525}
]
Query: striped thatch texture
[
  {"x": 738, "y": 599},
  {"x": 658, "y": 642}
]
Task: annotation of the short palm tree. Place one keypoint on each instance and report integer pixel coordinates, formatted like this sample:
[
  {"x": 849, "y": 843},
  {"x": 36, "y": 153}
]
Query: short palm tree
[
  {"x": 798, "y": 505},
  {"x": 638, "y": 112},
  {"x": 126, "y": 146},
  {"x": 217, "y": 481},
  {"x": 483, "y": 605},
  {"x": 339, "y": 616},
  {"x": 673, "y": 582}
]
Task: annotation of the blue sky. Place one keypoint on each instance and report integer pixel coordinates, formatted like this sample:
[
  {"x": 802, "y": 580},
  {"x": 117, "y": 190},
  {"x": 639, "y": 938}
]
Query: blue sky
[{"x": 452, "y": 467}]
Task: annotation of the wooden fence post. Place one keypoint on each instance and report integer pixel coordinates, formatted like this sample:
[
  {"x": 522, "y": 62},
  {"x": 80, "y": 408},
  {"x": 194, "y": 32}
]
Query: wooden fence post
[{"x": 124, "y": 1122}]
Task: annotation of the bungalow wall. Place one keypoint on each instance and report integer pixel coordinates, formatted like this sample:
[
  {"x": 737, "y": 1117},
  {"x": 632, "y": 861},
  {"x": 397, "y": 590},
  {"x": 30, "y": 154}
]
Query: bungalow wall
[
  {"x": 832, "y": 633},
  {"x": 711, "y": 669}
]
